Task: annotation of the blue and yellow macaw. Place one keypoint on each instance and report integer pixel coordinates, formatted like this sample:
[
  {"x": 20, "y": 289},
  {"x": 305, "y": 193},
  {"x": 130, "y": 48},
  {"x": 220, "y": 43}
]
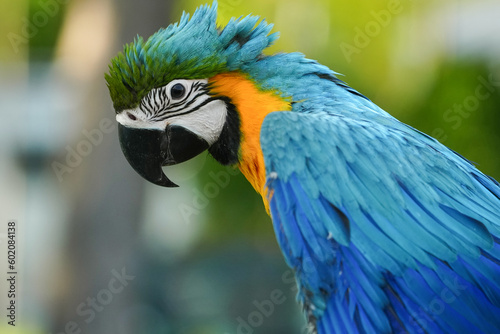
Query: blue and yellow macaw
[{"x": 387, "y": 230}]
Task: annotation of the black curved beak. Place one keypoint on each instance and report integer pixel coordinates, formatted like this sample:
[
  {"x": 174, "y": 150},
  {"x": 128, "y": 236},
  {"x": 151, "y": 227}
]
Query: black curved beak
[{"x": 148, "y": 150}]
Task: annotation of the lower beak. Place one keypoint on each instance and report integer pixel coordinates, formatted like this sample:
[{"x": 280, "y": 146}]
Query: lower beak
[{"x": 148, "y": 150}]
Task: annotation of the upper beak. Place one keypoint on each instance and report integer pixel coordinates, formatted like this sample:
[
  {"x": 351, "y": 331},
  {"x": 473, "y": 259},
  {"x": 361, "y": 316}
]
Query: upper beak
[{"x": 148, "y": 150}]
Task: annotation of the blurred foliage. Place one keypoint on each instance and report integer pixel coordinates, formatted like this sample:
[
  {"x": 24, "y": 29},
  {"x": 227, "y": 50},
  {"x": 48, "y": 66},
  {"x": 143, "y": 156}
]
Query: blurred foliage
[
  {"x": 31, "y": 29},
  {"x": 237, "y": 212},
  {"x": 45, "y": 19},
  {"x": 462, "y": 111},
  {"x": 10, "y": 24}
]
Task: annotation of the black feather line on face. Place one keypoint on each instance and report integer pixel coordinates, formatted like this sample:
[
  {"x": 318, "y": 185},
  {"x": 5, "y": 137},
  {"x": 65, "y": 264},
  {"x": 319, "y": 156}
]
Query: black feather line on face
[
  {"x": 179, "y": 106},
  {"x": 163, "y": 117},
  {"x": 225, "y": 149}
]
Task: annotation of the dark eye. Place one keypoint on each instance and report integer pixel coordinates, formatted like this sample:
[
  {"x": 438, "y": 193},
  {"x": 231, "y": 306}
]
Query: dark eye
[{"x": 177, "y": 91}]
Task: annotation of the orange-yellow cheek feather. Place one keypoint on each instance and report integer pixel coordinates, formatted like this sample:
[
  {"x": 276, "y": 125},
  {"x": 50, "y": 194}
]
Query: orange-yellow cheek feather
[{"x": 252, "y": 105}]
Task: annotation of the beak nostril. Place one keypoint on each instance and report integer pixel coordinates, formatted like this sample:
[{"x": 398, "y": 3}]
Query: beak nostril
[{"x": 132, "y": 117}]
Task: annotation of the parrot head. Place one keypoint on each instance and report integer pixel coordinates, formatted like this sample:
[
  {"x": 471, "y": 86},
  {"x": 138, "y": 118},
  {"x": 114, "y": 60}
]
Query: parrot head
[{"x": 182, "y": 92}]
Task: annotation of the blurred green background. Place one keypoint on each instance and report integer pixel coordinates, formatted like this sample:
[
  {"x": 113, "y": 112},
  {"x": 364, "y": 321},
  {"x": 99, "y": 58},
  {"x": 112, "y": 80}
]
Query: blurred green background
[{"x": 101, "y": 251}]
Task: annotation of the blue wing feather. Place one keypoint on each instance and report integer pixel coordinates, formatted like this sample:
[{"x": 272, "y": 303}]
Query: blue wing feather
[{"x": 386, "y": 229}]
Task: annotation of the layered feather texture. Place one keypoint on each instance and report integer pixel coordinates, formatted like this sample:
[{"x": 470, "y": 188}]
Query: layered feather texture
[{"x": 388, "y": 230}]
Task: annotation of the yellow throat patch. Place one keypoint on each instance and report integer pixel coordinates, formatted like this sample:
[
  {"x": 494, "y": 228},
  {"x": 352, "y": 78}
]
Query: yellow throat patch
[{"x": 252, "y": 105}]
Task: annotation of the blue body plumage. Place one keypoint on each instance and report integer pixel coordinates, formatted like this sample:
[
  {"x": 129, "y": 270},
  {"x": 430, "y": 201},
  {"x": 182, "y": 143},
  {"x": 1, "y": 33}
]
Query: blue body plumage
[{"x": 387, "y": 230}]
